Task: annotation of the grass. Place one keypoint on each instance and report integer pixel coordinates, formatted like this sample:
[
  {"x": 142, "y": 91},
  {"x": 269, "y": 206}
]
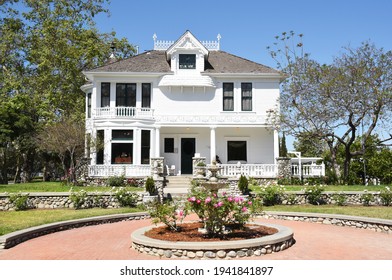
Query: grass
[
  {"x": 16, "y": 220},
  {"x": 331, "y": 188},
  {"x": 53, "y": 187},
  {"x": 381, "y": 212}
]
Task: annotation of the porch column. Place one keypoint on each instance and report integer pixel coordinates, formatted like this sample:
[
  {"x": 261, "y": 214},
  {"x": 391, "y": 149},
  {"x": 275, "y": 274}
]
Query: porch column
[
  {"x": 137, "y": 144},
  {"x": 212, "y": 143},
  {"x": 107, "y": 154},
  {"x": 157, "y": 141},
  {"x": 276, "y": 145}
]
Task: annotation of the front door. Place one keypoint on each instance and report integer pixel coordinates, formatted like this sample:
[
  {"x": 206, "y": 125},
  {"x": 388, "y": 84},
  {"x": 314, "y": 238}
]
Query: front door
[{"x": 188, "y": 148}]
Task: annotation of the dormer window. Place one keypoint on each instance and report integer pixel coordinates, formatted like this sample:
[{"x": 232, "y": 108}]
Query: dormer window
[{"x": 187, "y": 61}]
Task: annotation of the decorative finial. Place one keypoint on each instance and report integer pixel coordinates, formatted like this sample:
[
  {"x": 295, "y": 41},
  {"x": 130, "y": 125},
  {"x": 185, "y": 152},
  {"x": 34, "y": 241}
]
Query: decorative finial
[
  {"x": 154, "y": 37},
  {"x": 219, "y": 37}
]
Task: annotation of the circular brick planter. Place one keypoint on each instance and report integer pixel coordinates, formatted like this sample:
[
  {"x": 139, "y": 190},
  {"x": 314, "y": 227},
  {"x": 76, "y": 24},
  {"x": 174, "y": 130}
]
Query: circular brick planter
[{"x": 279, "y": 241}]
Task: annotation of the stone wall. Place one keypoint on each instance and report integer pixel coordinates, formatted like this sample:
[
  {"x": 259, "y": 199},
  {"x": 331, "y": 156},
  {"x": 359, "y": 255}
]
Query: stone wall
[{"x": 60, "y": 200}]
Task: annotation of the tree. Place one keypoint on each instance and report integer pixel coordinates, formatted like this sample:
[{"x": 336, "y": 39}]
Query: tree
[
  {"x": 65, "y": 138},
  {"x": 308, "y": 145},
  {"x": 45, "y": 46},
  {"x": 336, "y": 102},
  {"x": 283, "y": 147}
]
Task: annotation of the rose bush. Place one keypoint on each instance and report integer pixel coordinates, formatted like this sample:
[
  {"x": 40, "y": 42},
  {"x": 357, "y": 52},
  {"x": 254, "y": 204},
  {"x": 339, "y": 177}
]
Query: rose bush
[{"x": 219, "y": 212}]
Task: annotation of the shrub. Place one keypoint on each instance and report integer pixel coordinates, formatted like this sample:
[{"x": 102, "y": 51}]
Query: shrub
[
  {"x": 386, "y": 196},
  {"x": 80, "y": 199},
  {"x": 219, "y": 211},
  {"x": 150, "y": 186},
  {"x": 292, "y": 199},
  {"x": 116, "y": 181},
  {"x": 126, "y": 198},
  {"x": 272, "y": 195},
  {"x": 367, "y": 198},
  {"x": 243, "y": 184},
  {"x": 19, "y": 200},
  {"x": 168, "y": 213},
  {"x": 340, "y": 198},
  {"x": 314, "y": 195}
]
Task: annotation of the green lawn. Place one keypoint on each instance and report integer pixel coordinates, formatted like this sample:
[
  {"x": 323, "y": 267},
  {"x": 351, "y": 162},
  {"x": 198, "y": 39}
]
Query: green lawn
[
  {"x": 381, "y": 212},
  {"x": 15, "y": 220},
  {"x": 52, "y": 187}
]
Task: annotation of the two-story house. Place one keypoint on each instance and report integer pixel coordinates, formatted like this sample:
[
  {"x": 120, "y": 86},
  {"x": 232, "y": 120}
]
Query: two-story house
[{"x": 181, "y": 99}]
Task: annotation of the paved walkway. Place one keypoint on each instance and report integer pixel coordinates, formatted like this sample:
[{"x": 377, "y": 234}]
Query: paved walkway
[{"x": 112, "y": 242}]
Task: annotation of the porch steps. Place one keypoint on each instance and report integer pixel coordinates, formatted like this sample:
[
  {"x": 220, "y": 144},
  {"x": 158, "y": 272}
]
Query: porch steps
[{"x": 177, "y": 185}]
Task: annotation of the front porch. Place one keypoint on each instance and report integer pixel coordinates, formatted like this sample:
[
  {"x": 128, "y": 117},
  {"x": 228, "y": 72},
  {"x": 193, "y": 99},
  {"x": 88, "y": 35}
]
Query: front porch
[{"x": 228, "y": 170}]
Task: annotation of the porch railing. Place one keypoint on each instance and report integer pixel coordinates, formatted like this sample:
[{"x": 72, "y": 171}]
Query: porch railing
[
  {"x": 309, "y": 170},
  {"x": 123, "y": 112},
  {"x": 253, "y": 170},
  {"x": 127, "y": 170}
]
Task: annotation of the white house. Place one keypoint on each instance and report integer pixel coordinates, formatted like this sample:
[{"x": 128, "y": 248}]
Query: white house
[{"x": 181, "y": 99}]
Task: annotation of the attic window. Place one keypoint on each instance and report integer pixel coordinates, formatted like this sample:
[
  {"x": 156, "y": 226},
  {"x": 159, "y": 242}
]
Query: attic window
[{"x": 187, "y": 61}]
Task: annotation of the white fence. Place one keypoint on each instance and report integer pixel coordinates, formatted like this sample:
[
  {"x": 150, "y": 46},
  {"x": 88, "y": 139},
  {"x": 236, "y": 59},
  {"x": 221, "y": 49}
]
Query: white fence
[
  {"x": 127, "y": 170},
  {"x": 253, "y": 170}
]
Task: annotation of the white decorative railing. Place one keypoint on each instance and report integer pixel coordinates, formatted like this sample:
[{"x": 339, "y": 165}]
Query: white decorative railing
[
  {"x": 127, "y": 170},
  {"x": 309, "y": 170},
  {"x": 123, "y": 112},
  {"x": 232, "y": 118},
  {"x": 253, "y": 170},
  {"x": 163, "y": 45}
]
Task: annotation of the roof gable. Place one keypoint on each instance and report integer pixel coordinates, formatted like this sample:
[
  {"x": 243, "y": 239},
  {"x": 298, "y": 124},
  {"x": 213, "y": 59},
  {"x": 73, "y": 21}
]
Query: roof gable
[{"x": 186, "y": 42}]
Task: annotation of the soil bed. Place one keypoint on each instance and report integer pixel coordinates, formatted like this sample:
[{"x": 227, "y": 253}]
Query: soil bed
[{"x": 189, "y": 233}]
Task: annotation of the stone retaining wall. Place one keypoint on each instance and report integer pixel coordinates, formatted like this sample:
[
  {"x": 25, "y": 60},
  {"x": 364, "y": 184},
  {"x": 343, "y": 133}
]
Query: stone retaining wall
[{"x": 61, "y": 200}]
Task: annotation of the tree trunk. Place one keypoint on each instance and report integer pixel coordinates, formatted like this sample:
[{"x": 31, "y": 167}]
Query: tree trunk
[{"x": 3, "y": 165}]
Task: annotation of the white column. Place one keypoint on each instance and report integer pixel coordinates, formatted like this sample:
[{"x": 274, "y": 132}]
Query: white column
[
  {"x": 137, "y": 146},
  {"x": 212, "y": 143},
  {"x": 276, "y": 145},
  {"x": 157, "y": 142},
  {"x": 107, "y": 152}
]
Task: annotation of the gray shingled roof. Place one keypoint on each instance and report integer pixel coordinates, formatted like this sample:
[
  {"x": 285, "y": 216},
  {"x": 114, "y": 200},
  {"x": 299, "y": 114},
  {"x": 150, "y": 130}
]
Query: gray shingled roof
[
  {"x": 223, "y": 62},
  {"x": 155, "y": 61},
  {"x": 150, "y": 61}
]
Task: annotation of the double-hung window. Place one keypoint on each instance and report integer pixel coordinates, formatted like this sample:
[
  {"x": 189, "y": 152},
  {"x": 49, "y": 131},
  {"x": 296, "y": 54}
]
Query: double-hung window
[
  {"x": 125, "y": 95},
  {"x": 228, "y": 97},
  {"x": 246, "y": 96},
  {"x": 105, "y": 94},
  {"x": 146, "y": 95}
]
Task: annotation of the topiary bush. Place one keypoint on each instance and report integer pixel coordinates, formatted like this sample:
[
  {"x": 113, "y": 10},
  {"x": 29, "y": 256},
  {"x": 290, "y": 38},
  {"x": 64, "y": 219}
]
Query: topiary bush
[
  {"x": 243, "y": 185},
  {"x": 150, "y": 186}
]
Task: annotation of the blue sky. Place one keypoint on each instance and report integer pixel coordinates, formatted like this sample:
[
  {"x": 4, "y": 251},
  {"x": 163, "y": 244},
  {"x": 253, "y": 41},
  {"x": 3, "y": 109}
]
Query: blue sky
[{"x": 247, "y": 27}]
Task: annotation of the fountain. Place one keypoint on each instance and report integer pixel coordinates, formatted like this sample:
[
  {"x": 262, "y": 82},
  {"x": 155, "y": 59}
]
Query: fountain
[{"x": 216, "y": 212}]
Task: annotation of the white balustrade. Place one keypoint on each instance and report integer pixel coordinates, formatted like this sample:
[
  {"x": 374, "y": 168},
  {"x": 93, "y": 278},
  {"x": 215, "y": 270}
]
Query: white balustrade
[
  {"x": 309, "y": 170},
  {"x": 127, "y": 170},
  {"x": 253, "y": 170},
  {"x": 123, "y": 112}
]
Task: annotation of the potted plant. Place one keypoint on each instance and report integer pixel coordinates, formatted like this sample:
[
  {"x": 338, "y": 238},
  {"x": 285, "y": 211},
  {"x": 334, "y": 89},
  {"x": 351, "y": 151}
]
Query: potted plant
[{"x": 151, "y": 190}]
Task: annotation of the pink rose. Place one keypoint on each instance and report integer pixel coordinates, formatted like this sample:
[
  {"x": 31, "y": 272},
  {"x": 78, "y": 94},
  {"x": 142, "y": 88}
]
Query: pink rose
[
  {"x": 193, "y": 199},
  {"x": 244, "y": 209},
  {"x": 198, "y": 201},
  {"x": 208, "y": 200},
  {"x": 249, "y": 202},
  {"x": 220, "y": 203}
]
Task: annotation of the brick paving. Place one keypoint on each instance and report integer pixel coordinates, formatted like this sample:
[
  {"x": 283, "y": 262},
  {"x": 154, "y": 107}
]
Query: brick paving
[{"x": 112, "y": 242}]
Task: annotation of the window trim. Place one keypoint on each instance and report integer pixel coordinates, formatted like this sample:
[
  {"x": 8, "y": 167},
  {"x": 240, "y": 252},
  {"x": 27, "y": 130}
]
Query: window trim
[{"x": 246, "y": 149}]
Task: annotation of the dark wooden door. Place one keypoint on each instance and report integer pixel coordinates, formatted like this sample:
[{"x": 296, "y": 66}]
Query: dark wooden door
[{"x": 188, "y": 148}]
